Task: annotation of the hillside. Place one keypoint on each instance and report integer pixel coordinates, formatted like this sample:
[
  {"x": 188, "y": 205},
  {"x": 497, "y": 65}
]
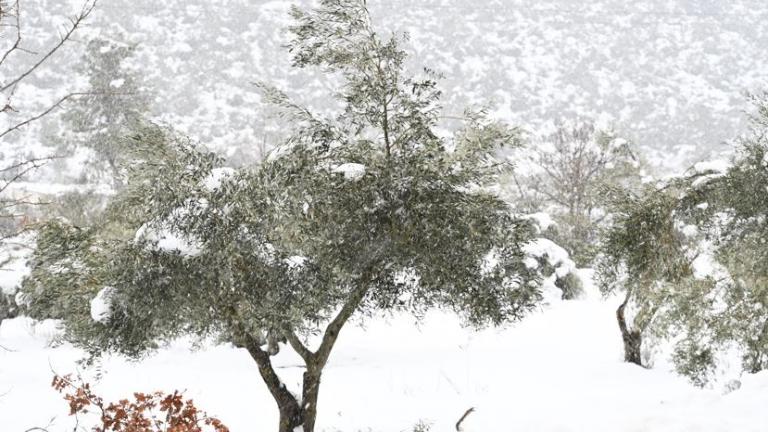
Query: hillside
[{"x": 671, "y": 75}]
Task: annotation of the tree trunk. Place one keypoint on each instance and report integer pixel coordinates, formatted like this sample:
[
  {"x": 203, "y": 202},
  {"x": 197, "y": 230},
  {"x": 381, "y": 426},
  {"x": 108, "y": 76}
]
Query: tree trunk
[
  {"x": 291, "y": 414},
  {"x": 632, "y": 338},
  {"x": 310, "y": 392},
  {"x": 295, "y": 413}
]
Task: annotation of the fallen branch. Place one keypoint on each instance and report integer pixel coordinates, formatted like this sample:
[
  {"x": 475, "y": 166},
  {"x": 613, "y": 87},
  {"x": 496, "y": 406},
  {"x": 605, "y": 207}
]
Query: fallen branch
[{"x": 461, "y": 420}]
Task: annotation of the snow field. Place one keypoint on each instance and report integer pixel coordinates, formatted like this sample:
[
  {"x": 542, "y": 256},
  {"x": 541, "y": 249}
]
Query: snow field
[{"x": 559, "y": 370}]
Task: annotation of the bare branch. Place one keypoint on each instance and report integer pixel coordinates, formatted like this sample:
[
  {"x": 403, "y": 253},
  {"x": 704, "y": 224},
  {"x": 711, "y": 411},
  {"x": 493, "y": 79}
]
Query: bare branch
[
  {"x": 42, "y": 114},
  {"x": 76, "y": 22},
  {"x": 18, "y": 165},
  {"x": 26, "y": 168},
  {"x": 17, "y": 25}
]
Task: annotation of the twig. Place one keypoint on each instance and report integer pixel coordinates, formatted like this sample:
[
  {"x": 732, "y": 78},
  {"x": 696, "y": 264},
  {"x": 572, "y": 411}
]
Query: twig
[
  {"x": 461, "y": 420},
  {"x": 42, "y": 114},
  {"x": 76, "y": 22}
]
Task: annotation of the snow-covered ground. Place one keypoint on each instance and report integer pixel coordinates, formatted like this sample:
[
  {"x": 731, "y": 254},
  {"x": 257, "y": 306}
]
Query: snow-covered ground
[{"x": 561, "y": 369}]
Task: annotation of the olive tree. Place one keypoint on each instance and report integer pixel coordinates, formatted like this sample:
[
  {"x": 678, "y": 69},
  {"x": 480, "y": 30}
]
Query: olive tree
[
  {"x": 364, "y": 212},
  {"x": 691, "y": 257},
  {"x": 643, "y": 256}
]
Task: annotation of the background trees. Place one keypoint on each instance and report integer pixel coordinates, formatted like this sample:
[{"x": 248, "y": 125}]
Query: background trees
[
  {"x": 691, "y": 258},
  {"x": 565, "y": 174},
  {"x": 116, "y": 103},
  {"x": 368, "y": 211},
  {"x": 94, "y": 137}
]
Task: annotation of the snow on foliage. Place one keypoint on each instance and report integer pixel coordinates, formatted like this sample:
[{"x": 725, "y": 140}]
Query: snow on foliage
[
  {"x": 543, "y": 221},
  {"x": 351, "y": 171},
  {"x": 101, "y": 305},
  {"x": 706, "y": 266},
  {"x": 717, "y": 165},
  {"x": 216, "y": 177},
  {"x": 295, "y": 262},
  {"x": 169, "y": 241},
  {"x": 709, "y": 170},
  {"x": 555, "y": 255}
]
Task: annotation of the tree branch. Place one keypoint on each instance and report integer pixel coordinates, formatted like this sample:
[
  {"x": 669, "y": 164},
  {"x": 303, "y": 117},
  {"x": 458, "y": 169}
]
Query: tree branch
[
  {"x": 299, "y": 347},
  {"x": 332, "y": 331},
  {"x": 42, "y": 114},
  {"x": 26, "y": 167},
  {"x": 17, "y": 41},
  {"x": 76, "y": 22}
]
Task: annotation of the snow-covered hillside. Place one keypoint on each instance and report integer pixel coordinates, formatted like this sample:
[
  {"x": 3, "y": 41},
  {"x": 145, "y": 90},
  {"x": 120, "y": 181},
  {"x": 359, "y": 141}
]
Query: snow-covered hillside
[
  {"x": 559, "y": 370},
  {"x": 672, "y": 75}
]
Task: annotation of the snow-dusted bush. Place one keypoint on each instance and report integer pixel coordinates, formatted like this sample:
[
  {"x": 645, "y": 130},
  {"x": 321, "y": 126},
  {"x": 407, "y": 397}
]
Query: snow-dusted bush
[{"x": 555, "y": 265}]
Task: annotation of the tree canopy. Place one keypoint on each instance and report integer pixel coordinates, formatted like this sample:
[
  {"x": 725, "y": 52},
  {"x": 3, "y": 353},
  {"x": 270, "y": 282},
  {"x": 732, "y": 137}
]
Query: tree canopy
[{"x": 371, "y": 210}]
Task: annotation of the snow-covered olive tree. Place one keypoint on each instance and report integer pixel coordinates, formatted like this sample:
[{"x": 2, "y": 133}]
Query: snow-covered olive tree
[
  {"x": 642, "y": 255},
  {"x": 691, "y": 257},
  {"x": 367, "y": 211}
]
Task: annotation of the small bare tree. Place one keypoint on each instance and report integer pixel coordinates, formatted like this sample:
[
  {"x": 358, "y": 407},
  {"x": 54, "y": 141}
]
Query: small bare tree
[{"x": 571, "y": 164}]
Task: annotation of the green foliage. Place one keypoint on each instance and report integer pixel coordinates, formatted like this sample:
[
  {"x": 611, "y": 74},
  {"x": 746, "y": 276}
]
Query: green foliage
[
  {"x": 8, "y": 307},
  {"x": 369, "y": 211},
  {"x": 364, "y": 212},
  {"x": 80, "y": 208},
  {"x": 713, "y": 217},
  {"x": 643, "y": 245},
  {"x": 571, "y": 286}
]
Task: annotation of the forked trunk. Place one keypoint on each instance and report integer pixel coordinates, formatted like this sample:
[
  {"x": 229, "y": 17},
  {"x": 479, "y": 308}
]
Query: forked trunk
[
  {"x": 291, "y": 413},
  {"x": 300, "y": 414},
  {"x": 295, "y": 416},
  {"x": 632, "y": 338}
]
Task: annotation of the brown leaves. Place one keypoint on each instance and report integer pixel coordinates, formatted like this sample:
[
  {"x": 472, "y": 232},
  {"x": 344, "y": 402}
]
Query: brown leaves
[{"x": 147, "y": 412}]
